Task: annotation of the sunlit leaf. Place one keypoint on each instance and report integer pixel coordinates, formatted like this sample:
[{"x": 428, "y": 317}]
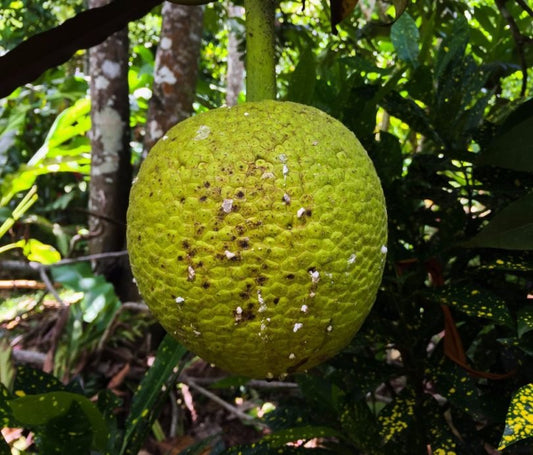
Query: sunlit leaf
[
  {"x": 37, "y": 251},
  {"x": 405, "y": 38},
  {"x": 511, "y": 228},
  {"x": 519, "y": 420}
]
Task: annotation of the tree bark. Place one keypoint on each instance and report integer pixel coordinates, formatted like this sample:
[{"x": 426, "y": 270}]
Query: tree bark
[
  {"x": 235, "y": 70},
  {"x": 111, "y": 155},
  {"x": 176, "y": 70}
]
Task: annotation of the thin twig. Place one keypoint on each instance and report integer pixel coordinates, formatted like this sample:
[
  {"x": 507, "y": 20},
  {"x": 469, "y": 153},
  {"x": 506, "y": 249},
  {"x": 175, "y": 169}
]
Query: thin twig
[
  {"x": 232, "y": 409},
  {"x": 50, "y": 287}
]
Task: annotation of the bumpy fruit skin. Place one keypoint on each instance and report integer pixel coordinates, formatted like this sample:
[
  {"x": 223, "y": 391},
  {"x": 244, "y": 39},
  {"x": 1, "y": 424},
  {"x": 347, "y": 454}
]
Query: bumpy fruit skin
[{"x": 257, "y": 236}]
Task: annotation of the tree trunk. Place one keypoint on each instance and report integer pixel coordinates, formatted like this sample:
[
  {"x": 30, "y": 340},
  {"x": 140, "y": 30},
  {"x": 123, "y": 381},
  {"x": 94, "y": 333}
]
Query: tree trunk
[
  {"x": 110, "y": 158},
  {"x": 176, "y": 70},
  {"x": 235, "y": 71}
]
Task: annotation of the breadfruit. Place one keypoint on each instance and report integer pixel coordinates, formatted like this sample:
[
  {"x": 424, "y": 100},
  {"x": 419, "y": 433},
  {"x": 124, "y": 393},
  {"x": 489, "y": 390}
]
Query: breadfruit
[{"x": 257, "y": 236}]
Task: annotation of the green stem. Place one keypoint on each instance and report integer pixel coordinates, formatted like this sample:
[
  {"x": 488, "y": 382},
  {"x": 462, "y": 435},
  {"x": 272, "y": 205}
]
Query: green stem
[{"x": 260, "y": 51}]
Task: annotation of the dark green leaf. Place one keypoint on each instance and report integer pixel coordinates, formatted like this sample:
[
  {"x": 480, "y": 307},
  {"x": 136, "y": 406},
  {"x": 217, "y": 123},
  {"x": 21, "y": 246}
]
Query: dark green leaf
[
  {"x": 511, "y": 148},
  {"x": 475, "y": 301},
  {"x": 405, "y": 38},
  {"x": 411, "y": 113},
  {"x": 41, "y": 409},
  {"x": 303, "y": 79},
  {"x": 70, "y": 432},
  {"x": 29, "y": 381},
  {"x": 518, "y": 423},
  {"x": 152, "y": 388},
  {"x": 511, "y": 228},
  {"x": 524, "y": 320},
  {"x": 453, "y": 46}
]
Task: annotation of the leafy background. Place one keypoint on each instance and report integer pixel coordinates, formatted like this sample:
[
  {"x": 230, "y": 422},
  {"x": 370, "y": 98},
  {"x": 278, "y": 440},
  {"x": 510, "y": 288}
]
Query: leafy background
[{"x": 439, "y": 93}]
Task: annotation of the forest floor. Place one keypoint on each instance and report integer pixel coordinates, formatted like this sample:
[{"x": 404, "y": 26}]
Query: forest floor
[{"x": 36, "y": 328}]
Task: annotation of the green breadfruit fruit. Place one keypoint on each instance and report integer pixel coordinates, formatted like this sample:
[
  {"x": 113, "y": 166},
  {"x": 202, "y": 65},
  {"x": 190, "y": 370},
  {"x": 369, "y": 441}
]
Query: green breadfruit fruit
[{"x": 257, "y": 236}]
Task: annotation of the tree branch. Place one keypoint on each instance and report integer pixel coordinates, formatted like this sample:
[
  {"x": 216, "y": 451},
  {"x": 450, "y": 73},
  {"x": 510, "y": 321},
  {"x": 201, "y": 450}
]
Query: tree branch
[
  {"x": 519, "y": 39},
  {"x": 45, "y": 50}
]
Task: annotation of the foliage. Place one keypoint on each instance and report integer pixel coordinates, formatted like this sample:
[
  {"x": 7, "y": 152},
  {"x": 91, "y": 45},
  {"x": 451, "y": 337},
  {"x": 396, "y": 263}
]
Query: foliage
[{"x": 443, "y": 363}]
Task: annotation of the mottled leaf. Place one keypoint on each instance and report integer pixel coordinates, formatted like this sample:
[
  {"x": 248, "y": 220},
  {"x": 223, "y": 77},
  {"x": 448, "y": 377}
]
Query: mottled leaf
[
  {"x": 397, "y": 416},
  {"x": 405, "y": 38},
  {"x": 340, "y": 10},
  {"x": 453, "y": 45},
  {"x": 524, "y": 320},
  {"x": 41, "y": 409},
  {"x": 29, "y": 381},
  {"x": 477, "y": 302},
  {"x": 519, "y": 420},
  {"x": 511, "y": 228}
]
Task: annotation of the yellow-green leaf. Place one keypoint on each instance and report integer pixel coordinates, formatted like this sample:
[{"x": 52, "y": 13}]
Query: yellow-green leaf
[{"x": 519, "y": 420}]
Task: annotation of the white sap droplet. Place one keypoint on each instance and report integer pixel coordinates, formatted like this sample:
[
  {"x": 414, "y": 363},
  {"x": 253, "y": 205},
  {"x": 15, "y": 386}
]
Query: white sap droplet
[
  {"x": 227, "y": 205},
  {"x": 286, "y": 199},
  {"x": 285, "y": 170},
  {"x": 202, "y": 133},
  {"x": 263, "y": 327},
  {"x": 282, "y": 158},
  {"x": 315, "y": 142},
  {"x": 300, "y": 212},
  {"x": 191, "y": 273},
  {"x": 312, "y": 294},
  {"x": 304, "y": 309},
  {"x": 246, "y": 114},
  {"x": 197, "y": 333},
  {"x": 297, "y": 326},
  {"x": 229, "y": 254},
  {"x": 268, "y": 175},
  {"x": 292, "y": 356},
  {"x": 329, "y": 328},
  {"x": 180, "y": 300},
  {"x": 238, "y": 310},
  {"x": 351, "y": 259},
  {"x": 315, "y": 276},
  {"x": 384, "y": 249}
]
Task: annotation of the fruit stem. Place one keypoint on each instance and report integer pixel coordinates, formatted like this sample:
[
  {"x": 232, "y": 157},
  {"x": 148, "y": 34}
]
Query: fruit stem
[{"x": 260, "y": 50}]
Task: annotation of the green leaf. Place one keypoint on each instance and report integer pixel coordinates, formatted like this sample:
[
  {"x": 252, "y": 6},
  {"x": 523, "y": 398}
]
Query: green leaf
[
  {"x": 405, "y": 38},
  {"x": 37, "y": 251},
  {"x": 511, "y": 228},
  {"x": 42, "y": 409},
  {"x": 475, "y": 301},
  {"x": 511, "y": 147},
  {"x": 303, "y": 79},
  {"x": 519, "y": 420},
  {"x": 151, "y": 390}
]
